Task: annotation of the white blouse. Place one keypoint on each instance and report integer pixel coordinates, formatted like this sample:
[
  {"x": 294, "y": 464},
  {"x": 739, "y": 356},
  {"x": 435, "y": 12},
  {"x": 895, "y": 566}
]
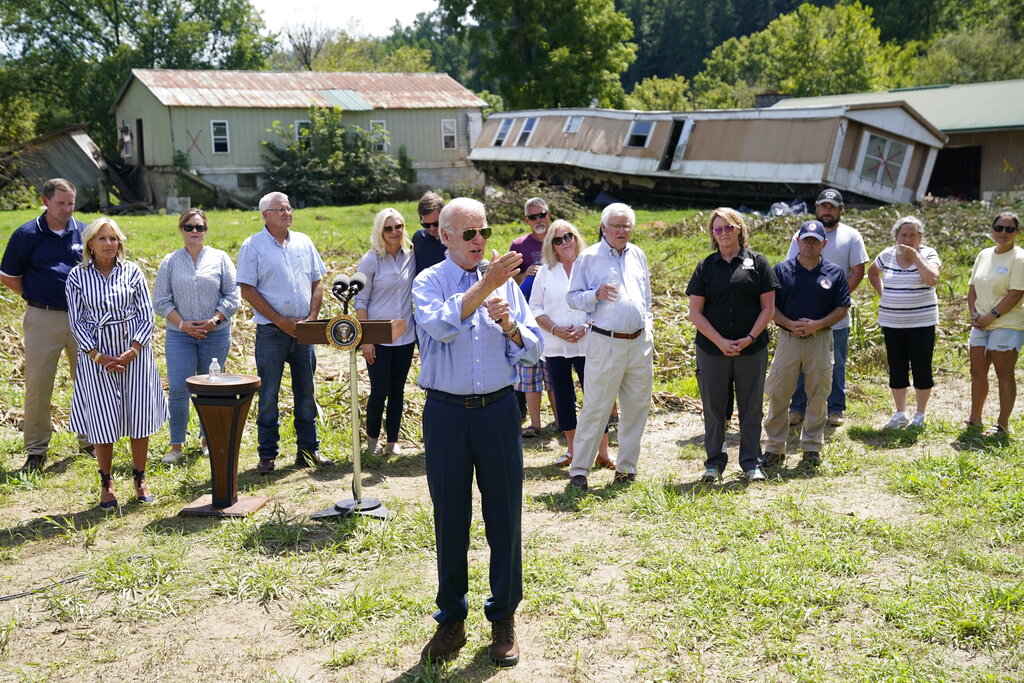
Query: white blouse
[{"x": 548, "y": 298}]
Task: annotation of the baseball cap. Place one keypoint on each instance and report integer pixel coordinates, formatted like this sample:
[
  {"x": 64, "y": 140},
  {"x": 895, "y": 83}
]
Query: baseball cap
[
  {"x": 830, "y": 196},
  {"x": 812, "y": 229}
]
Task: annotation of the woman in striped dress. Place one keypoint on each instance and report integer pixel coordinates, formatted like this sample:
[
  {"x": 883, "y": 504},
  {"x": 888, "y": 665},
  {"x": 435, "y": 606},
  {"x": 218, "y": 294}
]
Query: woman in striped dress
[
  {"x": 905, "y": 275},
  {"x": 117, "y": 389}
]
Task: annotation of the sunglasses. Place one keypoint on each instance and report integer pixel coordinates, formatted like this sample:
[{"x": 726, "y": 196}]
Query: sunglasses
[
  {"x": 430, "y": 225},
  {"x": 193, "y": 227},
  {"x": 724, "y": 228},
  {"x": 535, "y": 216},
  {"x": 389, "y": 228},
  {"x": 567, "y": 237},
  {"x": 1004, "y": 228},
  {"x": 467, "y": 235}
]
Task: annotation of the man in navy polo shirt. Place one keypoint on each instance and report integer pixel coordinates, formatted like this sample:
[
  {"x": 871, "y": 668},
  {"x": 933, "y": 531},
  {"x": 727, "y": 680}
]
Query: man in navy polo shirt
[
  {"x": 35, "y": 265},
  {"x": 814, "y": 295}
]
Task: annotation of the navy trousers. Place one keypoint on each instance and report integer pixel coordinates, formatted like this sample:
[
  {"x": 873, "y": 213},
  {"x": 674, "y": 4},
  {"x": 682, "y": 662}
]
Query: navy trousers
[{"x": 486, "y": 441}]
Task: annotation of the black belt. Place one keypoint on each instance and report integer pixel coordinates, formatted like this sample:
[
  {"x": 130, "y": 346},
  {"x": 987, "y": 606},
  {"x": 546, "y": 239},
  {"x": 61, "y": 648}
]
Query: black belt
[
  {"x": 470, "y": 400},
  {"x": 617, "y": 335},
  {"x": 36, "y": 304}
]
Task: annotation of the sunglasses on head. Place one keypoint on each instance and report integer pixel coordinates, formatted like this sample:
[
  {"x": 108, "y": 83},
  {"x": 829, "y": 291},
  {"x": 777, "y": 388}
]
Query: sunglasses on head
[
  {"x": 1004, "y": 228},
  {"x": 567, "y": 237},
  {"x": 194, "y": 227},
  {"x": 389, "y": 228},
  {"x": 430, "y": 225},
  {"x": 535, "y": 216},
  {"x": 467, "y": 235},
  {"x": 724, "y": 228}
]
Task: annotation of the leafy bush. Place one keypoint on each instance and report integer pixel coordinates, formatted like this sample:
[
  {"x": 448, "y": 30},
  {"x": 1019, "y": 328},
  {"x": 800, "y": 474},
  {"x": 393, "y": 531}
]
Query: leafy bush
[{"x": 507, "y": 205}]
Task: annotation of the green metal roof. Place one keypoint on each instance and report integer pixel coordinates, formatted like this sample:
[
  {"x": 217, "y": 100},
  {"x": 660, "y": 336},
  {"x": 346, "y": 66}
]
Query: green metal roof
[
  {"x": 997, "y": 105},
  {"x": 348, "y": 100}
]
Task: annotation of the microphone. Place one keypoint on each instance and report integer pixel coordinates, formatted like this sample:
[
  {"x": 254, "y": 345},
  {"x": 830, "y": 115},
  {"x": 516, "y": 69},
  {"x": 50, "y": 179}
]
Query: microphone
[
  {"x": 356, "y": 284},
  {"x": 340, "y": 287}
]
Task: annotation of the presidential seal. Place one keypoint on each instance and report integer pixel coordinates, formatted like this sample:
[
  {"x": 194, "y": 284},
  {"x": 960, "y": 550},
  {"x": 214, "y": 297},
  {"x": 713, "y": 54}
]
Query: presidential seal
[{"x": 344, "y": 332}]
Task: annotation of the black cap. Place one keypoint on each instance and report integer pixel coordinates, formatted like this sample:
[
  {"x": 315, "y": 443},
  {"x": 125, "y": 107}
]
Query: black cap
[
  {"x": 830, "y": 196},
  {"x": 812, "y": 229}
]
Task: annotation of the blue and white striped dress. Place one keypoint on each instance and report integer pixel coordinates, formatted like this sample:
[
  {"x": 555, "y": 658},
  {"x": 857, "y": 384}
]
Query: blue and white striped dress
[{"x": 108, "y": 313}]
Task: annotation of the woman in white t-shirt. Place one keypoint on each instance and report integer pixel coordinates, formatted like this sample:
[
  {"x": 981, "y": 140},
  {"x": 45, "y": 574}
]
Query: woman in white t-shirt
[
  {"x": 994, "y": 302},
  {"x": 904, "y": 275}
]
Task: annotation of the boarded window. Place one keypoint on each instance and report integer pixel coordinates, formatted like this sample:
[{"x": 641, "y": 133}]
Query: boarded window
[
  {"x": 219, "y": 132},
  {"x": 379, "y": 136},
  {"x": 572, "y": 124},
  {"x": 883, "y": 160},
  {"x": 527, "y": 132},
  {"x": 639, "y": 133},
  {"x": 503, "y": 129},
  {"x": 246, "y": 181},
  {"x": 448, "y": 131}
]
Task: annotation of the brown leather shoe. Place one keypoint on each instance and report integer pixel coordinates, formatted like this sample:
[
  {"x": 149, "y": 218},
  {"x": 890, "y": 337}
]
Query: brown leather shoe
[
  {"x": 447, "y": 641},
  {"x": 504, "y": 649}
]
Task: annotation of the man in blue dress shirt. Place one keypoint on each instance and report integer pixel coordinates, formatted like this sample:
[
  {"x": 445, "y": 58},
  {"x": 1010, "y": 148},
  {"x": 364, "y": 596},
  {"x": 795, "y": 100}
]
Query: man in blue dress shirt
[{"x": 475, "y": 327}]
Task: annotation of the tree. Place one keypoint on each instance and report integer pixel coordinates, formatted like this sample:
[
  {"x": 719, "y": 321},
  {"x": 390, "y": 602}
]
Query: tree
[
  {"x": 660, "y": 94},
  {"x": 548, "y": 53},
  {"x": 70, "y": 58},
  {"x": 812, "y": 51},
  {"x": 971, "y": 56}
]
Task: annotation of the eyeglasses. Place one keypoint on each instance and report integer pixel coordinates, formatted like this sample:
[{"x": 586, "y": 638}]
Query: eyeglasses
[
  {"x": 282, "y": 209},
  {"x": 567, "y": 237},
  {"x": 430, "y": 225},
  {"x": 724, "y": 228},
  {"x": 194, "y": 227},
  {"x": 1004, "y": 228},
  {"x": 467, "y": 235},
  {"x": 623, "y": 228},
  {"x": 536, "y": 216},
  {"x": 389, "y": 228}
]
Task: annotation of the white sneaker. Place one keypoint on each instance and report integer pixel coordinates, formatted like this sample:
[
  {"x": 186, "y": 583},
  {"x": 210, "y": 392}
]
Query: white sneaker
[
  {"x": 755, "y": 475},
  {"x": 711, "y": 475},
  {"x": 172, "y": 457},
  {"x": 897, "y": 421},
  {"x": 393, "y": 449},
  {"x": 373, "y": 447},
  {"x": 918, "y": 419}
]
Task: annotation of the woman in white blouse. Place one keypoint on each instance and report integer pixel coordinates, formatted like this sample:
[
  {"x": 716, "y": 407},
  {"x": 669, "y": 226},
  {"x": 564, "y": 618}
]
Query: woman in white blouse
[
  {"x": 196, "y": 292},
  {"x": 904, "y": 275},
  {"x": 564, "y": 330},
  {"x": 390, "y": 267}
]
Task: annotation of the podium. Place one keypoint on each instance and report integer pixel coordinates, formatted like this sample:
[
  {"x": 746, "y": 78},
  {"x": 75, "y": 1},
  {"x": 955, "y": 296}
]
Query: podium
[
  {"x": 345, "y": 333},
  {"x": 223, "y": 404}
]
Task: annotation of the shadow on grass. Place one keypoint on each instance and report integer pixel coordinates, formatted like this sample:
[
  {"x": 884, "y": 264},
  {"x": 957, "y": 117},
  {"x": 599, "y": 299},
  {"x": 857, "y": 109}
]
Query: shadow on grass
[
  {"x": 479, "y": 668},
  {"x": 973, "y": 439},
  {"x": 44, "y": 528},
  {"x": 885, "y": 438},
  {"x": 572, "y": 499}
]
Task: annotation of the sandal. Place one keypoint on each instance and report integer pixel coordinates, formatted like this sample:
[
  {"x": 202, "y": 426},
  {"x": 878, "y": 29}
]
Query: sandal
[
  {"x": 967, "y": 424},
  {"x": 107, "y": 488},
  {"x": 530, "y": 432},
  {"x": 564, "y": 460},
  {"x": 995, "y": 430},
  {"x": 142, "y": 493}
]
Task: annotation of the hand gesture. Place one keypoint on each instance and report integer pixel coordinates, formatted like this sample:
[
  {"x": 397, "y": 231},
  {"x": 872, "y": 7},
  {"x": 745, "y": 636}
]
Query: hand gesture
[
  {"x": 195, "y": 328},
  {"x": 501, "y": 269},
  {"x": 607, "y": 292},
  {"x": 498, "y": 310}
]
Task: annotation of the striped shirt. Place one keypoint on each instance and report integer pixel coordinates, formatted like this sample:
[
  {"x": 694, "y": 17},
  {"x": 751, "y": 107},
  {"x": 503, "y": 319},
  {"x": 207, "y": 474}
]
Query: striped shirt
[
  {"x": 283, "y": 274},
  {"x": 196, "y": 289},
  {"x": 906, "y": 301},
  {"x": 108, "y": 313}
]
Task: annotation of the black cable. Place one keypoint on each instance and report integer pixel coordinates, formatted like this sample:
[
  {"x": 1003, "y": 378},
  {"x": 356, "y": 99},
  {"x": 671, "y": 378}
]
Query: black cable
[{"x": 15, "y": 596}]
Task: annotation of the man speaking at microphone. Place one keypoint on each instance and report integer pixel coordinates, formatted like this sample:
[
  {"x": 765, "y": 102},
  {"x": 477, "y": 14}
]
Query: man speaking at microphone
[
  {"x": 475, "y": 328},
  {"x": 280, "y": 274}
]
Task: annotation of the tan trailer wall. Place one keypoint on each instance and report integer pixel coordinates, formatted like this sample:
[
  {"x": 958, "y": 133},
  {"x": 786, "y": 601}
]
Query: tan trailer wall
[{"x": 761, "y": 140}]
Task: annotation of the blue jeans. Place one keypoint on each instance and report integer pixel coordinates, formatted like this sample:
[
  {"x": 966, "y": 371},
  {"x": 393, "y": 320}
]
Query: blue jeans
[
  {"x": 837, "y": 397},
  {"x": 187, "y": 356},
  {"x": 274, "y": 348}
]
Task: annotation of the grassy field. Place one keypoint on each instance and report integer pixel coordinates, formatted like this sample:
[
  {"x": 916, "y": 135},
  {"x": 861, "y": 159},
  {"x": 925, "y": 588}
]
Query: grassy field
[{"x": 902, "y": 558}]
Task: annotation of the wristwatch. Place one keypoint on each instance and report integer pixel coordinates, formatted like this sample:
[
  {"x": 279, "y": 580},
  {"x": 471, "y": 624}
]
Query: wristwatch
[
  {"x": 995, "y": 313},
  {"x": 512, "y": 331},
  {"x": 216, "y": 320}
]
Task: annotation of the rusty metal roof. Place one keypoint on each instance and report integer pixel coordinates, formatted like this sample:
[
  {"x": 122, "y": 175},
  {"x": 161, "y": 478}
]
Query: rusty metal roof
[{"x": 300, "y": 89}]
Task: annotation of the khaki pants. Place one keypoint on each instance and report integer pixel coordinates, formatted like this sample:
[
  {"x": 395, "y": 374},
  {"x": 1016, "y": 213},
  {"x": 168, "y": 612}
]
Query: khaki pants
[
  {"x": 793, "y": 355},
  {"x": 46, "y": 334}
]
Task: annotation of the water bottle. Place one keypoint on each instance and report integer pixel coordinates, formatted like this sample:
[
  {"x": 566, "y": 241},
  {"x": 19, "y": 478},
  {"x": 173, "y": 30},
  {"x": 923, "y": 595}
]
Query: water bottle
[{"x": 214, "y": 370}]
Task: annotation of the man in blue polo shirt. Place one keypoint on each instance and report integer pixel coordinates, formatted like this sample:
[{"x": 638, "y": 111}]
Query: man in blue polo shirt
[
  {"x": 814, "y": 295},
  {"x": 35, "y": 265}
]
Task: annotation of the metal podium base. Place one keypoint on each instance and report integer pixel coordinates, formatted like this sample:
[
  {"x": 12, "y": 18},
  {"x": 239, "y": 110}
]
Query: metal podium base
[{"x": 367, "y": 507}]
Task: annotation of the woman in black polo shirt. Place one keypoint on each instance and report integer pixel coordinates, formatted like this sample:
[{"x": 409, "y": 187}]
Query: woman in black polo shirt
[{"x": 732, "y": 300}]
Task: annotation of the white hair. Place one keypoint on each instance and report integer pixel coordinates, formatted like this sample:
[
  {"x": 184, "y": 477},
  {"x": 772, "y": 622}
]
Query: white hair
[
  {"x": 535, "y": 201},
  {"x": 459, "y": 206},
  {"x": 618, "y": 209},
  {"x": 267, "y": 198}
]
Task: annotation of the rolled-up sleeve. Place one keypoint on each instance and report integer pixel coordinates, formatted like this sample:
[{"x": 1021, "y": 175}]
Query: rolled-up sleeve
[
  {"x": 163, "y": 296},
  {"x": 368, "y": 267},
  {"x": 83, "y": 329},
  {"x": 533, "y": 344},
  {"x": 142, "y": 323},
  {"x": 230, "y": 299}
]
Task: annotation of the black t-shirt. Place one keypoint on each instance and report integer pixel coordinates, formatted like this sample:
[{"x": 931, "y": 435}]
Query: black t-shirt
[{"x": 732, "y": 296}]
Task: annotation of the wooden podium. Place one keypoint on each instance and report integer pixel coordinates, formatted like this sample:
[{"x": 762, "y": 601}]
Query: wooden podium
[
  {"x": 223, "y": 404},
  {"x": 368, "y": 332}
]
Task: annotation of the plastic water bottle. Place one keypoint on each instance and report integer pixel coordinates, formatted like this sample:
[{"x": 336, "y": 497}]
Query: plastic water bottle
[{"x": 214, "y": 370}]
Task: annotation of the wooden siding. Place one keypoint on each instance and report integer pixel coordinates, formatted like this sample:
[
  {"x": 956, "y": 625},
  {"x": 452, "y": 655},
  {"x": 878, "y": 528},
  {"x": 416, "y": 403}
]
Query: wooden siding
[
  {"x": 1002, "y": 158},
  {"x": 806, "y": 141}
]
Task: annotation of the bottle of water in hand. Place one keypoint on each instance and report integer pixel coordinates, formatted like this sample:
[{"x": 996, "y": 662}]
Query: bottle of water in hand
[{"x": 214, "y": 372}]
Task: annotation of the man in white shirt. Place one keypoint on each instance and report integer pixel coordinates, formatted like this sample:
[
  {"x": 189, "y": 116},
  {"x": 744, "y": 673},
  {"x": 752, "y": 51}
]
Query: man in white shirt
[
  {"x": 845, "y": 248},
  {"x": 611, "y": 282}
]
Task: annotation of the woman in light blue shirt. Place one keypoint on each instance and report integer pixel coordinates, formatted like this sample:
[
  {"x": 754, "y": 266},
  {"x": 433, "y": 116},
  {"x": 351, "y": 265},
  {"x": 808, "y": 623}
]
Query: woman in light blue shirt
[
  {"x": 196, "y": 292},
  {"x": 389, "y": 267}
]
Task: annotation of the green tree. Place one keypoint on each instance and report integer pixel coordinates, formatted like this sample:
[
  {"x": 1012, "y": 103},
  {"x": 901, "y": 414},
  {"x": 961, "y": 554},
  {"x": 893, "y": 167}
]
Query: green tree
[
  {"x": 449, "y": 48},
  {"x": 812, "y": 51},
  {"x": 971, "y": 56},
  {"x": 548, "y": 53},
  {"x": 660, "y": 94}
]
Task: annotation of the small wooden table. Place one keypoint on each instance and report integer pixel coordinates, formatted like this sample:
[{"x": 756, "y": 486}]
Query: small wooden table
[{"x": 223, "y": 404}]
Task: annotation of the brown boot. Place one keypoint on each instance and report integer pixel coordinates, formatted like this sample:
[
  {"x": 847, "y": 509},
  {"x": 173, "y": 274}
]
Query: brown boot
[
  {"x": 447, "y": 641},
  {"x": 504, "y": 649}
]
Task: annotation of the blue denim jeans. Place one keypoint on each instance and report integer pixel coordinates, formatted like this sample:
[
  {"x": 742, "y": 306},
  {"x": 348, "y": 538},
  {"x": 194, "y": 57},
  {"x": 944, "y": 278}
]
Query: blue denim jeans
[
  {"x": 187, "y": 356},
  {"x": 837, "y": 397},
  {"x": 274, "y": 348}
]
